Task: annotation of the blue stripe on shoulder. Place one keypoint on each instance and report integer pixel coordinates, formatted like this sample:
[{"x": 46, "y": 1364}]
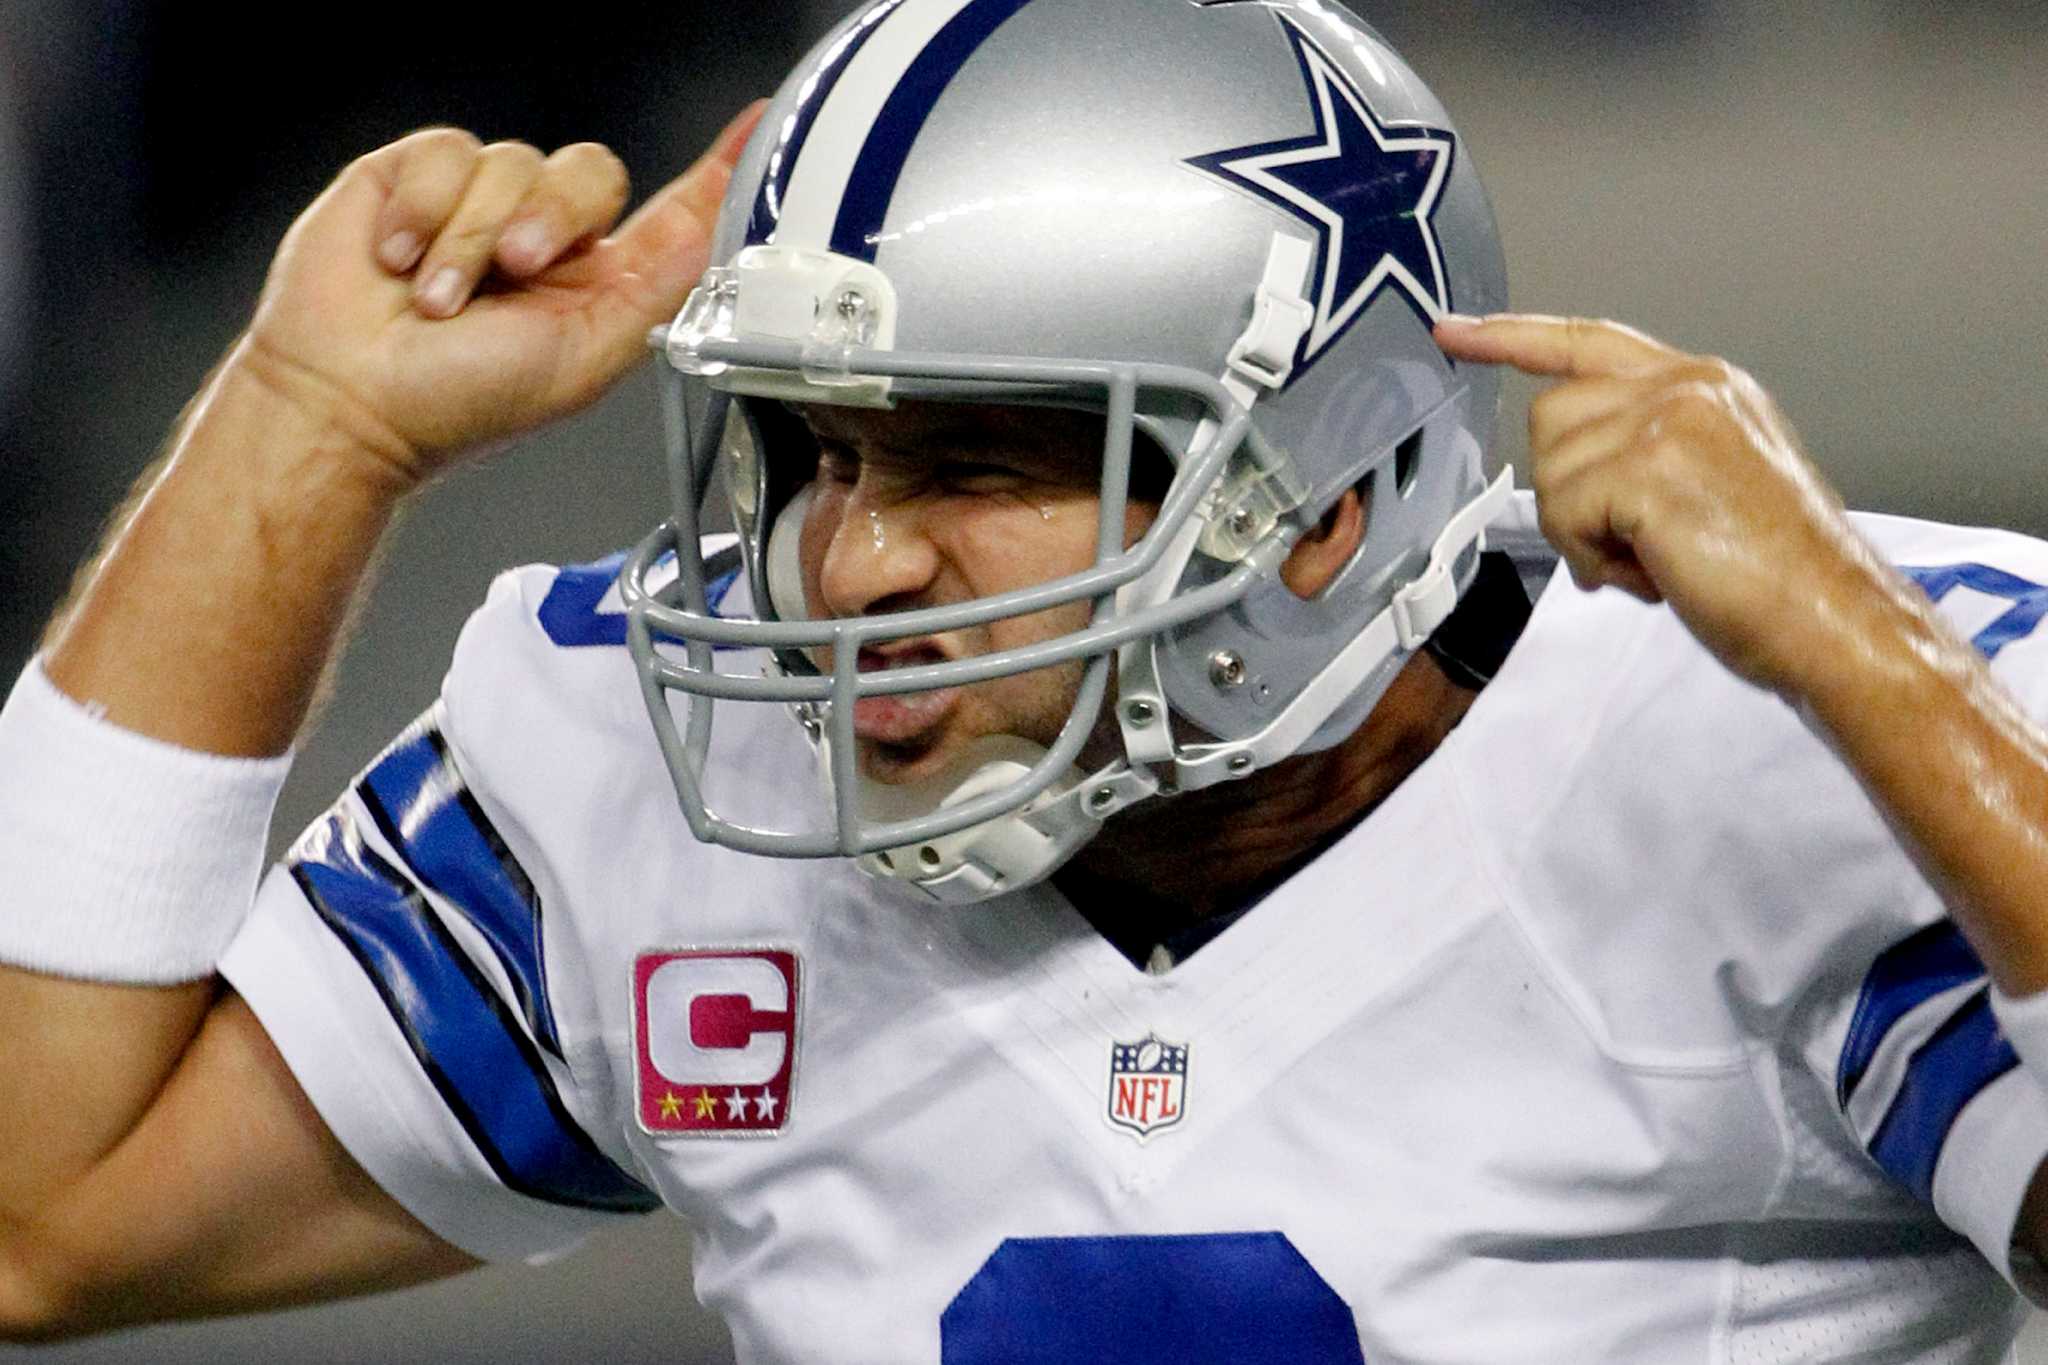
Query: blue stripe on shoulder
[
  {"x": 1905, "y": 975},
  {"x": 1965, "y": 1055},
  {"x": 797, "y": 128},
  {"x": 426, "y": 812},
  {"x": 872, "y": 185},
  {"x": 489, "y": 1075},
  {"x": 569, "y": 613}
]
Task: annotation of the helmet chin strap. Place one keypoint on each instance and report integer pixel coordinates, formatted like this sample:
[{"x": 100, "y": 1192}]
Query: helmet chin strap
[
  {"x": 1399, "y": 630},
  {"x": 1004, "y": 854}
]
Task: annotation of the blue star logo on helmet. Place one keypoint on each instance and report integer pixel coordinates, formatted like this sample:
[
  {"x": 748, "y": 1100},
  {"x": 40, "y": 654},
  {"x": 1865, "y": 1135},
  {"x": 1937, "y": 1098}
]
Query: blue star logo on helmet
[{"x": 1367, "y": 189}]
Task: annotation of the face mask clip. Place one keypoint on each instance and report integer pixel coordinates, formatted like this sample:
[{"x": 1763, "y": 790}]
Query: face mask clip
[{"x": 828, "y": 305}]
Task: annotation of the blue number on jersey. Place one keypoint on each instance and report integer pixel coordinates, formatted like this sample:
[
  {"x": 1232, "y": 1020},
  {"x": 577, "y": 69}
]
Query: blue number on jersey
[
  {"x": 1201, "y": 1300},
  {"x": 2029, "y": 600}
]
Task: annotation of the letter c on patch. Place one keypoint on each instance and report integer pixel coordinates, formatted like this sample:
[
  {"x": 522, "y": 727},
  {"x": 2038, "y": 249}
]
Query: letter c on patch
[{"x": 690, "y": 1012}]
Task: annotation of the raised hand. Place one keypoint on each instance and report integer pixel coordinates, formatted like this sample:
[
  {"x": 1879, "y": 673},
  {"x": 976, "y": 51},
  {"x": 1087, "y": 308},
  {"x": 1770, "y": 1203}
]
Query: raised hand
[
  {"x": 1674, "y": 477},
  {"x": 443, "y": 294}
]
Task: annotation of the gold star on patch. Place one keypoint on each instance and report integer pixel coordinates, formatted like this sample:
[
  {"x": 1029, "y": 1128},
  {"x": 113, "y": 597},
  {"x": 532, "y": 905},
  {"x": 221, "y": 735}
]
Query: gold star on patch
[
  {"x": 671, "y": 1105},
  {"x": 707, "y": 1105}
]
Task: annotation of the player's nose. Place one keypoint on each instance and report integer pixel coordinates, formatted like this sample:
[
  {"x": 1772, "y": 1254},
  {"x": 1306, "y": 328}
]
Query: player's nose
[{"x": 877, "y": 557}]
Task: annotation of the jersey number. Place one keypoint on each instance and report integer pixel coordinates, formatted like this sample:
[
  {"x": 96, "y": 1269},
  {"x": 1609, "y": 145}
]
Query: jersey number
[
  {"x": 1216, "y": 1299},
  {"x": 2029, "y": 600}
]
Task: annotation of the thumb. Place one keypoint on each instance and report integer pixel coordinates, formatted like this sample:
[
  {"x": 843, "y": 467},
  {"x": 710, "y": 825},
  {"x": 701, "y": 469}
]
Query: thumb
[{"x": 661, "y": 251}]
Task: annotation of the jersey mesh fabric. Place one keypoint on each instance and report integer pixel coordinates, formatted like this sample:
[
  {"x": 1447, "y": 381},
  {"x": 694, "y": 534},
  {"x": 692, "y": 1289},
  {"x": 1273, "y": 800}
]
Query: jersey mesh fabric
[{"x": 1910, "y": 1291}]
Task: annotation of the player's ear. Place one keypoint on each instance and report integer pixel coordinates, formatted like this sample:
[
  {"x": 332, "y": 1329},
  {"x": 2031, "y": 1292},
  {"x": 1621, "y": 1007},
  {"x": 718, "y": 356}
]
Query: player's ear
[{"x": 1320, "y": 555}]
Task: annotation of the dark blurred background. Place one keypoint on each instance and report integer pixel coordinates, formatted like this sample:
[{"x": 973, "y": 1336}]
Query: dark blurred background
[{"x": 1850, "y": 198}]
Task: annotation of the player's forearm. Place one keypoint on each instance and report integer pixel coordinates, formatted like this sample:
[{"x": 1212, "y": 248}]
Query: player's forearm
[
  {"x": 1952, "y": 761},
  {"x": 206, "y": 623},
  {"x": 211, "y": 616},
  {"x": 1676, "y": 478}
]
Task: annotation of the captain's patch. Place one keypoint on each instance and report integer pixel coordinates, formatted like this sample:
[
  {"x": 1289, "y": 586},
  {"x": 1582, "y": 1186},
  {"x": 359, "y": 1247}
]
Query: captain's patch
[{"x": 715, "y": 1034}]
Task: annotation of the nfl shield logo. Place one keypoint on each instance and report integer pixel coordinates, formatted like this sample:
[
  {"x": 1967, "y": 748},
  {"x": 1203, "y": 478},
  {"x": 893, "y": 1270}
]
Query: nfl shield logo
[{"x": 1148, "y": 1085}]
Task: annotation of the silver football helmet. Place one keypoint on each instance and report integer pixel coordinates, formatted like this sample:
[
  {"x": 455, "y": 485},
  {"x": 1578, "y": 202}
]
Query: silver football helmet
[{"x": 1228, "y": 226}]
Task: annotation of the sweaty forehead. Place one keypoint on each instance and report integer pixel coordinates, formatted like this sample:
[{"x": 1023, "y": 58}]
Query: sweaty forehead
[{"x": 919, "y": 426}]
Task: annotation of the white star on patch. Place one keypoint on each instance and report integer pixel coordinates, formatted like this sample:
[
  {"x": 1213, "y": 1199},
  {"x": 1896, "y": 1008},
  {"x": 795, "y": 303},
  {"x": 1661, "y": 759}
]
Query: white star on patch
[
  {"x": 764, "y": 1105},
  {"x": 735, "y": 1105}
]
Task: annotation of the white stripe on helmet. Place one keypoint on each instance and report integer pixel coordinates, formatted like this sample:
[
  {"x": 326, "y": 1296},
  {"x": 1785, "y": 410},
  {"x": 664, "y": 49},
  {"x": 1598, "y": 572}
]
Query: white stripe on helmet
[{"x": 810, "y": 204}]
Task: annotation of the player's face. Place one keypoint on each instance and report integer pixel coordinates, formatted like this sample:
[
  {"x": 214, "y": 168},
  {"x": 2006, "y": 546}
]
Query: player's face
[{"x": 934, "y": 504}]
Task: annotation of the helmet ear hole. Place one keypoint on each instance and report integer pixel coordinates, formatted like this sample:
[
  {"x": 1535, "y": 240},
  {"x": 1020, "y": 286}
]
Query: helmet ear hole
[
  {"x": 1325, "y": 555},
  {"x": 1407, "y": 465}
]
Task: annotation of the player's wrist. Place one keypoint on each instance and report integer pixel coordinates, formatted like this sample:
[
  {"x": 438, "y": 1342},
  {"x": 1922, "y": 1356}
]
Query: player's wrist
[
  {"x": 1863, "y": 642},
  {"x": 126, "y": 859},
  {"x": 335, "y": 441}
]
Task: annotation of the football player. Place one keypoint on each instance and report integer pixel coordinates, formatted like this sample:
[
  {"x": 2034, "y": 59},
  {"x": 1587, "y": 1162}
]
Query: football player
[{"x": 1103, "y": 862}]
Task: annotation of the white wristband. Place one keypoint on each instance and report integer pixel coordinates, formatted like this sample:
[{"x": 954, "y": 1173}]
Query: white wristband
[
  {"x": 122, "y": 858},
  {"x": 2024, "y": 1023}
]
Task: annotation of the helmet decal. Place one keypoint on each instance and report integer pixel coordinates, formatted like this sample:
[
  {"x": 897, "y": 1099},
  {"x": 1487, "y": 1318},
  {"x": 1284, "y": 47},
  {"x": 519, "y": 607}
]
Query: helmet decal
[{"x": 1367, "y": 189}]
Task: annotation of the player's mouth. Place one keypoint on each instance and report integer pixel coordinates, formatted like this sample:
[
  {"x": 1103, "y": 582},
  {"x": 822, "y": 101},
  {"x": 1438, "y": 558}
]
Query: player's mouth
[{"x": 905, "y": 718}]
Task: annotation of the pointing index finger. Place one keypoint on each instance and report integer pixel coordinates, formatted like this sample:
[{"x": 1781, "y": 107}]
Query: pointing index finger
[{"x": 1566, "y": 348}]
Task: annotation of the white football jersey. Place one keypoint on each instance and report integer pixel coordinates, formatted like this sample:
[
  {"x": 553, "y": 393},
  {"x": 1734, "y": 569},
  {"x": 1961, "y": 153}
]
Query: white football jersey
[{"x": 1623, "y": 1031}]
